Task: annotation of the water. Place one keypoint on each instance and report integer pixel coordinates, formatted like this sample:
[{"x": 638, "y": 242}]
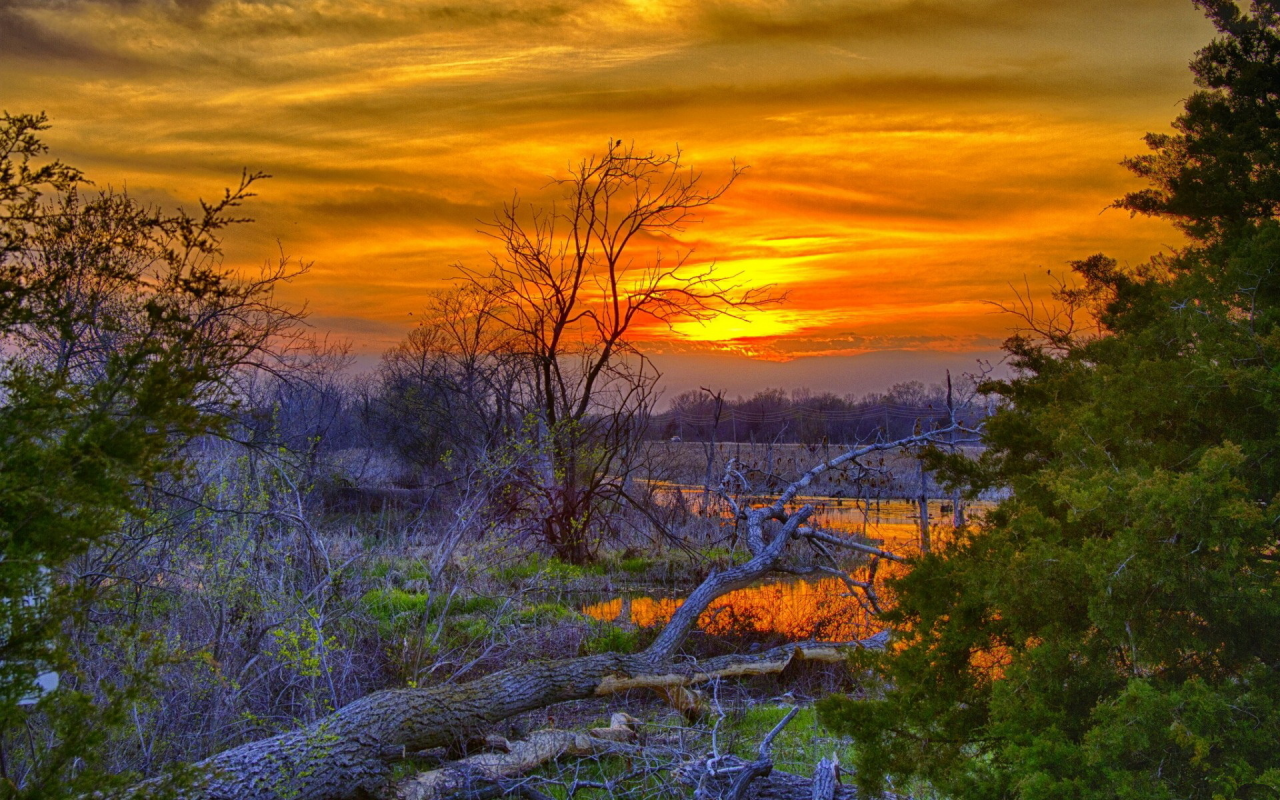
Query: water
[{"x": 805, "y": 609}]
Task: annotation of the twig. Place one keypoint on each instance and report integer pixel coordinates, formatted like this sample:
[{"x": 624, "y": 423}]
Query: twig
[
  {"x": 767, "y": 743},
  {"x": 763, "y": 765}
]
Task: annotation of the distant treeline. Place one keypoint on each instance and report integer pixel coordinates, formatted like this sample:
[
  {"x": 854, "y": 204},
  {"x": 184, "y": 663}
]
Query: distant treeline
[
  {"x": 800, "y": 416},
  {"x": 419, "y": 419}
]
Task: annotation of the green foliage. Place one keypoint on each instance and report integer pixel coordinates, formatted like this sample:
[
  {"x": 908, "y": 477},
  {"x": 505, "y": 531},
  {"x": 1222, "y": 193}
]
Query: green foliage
[
  {"x": 1101, "y": 634},
  {"x": 606, "y": 638},
  {"x": 637, "y": 565},
  {"x": 398, "y": 611},
  {"x": 804, "y": 742},
  {"x": 388, "y": 606},
  {"x": 552, "y": 570},
  {"x": 542, "y": 613},
  {"x": 1220, "y": 171},
  {"x": 300, "y": 648},
  {"x": 404, "y": 569},
  {"x": 120, "y": 329},
  {"x": 471, "y": 629}
]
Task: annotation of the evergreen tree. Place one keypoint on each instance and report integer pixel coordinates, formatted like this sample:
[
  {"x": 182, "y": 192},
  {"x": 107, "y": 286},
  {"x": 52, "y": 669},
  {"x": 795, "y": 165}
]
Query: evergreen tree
[
  {"x": 119, "y": 333},
  {"x": 1110, "y": 631}
]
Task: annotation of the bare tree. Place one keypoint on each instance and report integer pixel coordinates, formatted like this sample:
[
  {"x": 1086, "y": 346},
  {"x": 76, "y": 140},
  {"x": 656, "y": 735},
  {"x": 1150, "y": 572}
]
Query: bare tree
[
  {"x": 351, "y": 752},
  {"x": 447, "y": 387},
  {"x": 571, "y": 284}
]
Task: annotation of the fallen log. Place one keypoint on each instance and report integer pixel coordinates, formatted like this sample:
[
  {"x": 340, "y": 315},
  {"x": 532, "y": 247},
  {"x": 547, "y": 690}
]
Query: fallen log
[
  {"x": 517, "y": 758},
  {"x": 826, "y": 779},
  {"x": 346, "y": 754}
]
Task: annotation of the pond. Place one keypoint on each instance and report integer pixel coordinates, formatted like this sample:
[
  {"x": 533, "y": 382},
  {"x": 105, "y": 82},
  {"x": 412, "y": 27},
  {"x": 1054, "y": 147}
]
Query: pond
[{"x": 803, "y": 609}]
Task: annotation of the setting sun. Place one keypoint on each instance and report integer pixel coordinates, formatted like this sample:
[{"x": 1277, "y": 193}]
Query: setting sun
[{"x": 901, "y": 165}]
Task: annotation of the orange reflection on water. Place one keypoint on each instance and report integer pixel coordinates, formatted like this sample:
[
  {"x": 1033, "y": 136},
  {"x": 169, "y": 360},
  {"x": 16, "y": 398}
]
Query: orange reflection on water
[
  {"x": 823, "y": 609},
  {"x": 798, "y": 610}
]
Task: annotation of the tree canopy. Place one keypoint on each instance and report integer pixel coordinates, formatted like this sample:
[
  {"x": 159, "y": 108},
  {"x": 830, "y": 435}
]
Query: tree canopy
[
  {"x": 1107, "y": 631},
  {"x": 121, "y": 332}
]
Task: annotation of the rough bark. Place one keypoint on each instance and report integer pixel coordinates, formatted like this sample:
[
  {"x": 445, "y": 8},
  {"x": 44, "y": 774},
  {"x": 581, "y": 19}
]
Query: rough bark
[
  {"x": 825, "y": 780},
  {"x": 517, "y": 758},
  {"x": 348, "y": 753},
  {"x": 527, "y": 754}
]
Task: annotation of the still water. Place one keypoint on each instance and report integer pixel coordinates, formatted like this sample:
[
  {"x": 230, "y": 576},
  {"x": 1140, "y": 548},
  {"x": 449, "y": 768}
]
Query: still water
[{"x": 804, "y": 609}]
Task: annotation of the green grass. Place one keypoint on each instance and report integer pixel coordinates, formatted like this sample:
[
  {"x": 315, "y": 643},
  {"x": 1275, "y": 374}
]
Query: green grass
[
  {"x": 546, "y": 568},
  {"x": 469, "y": 629},
  {"x": 798, "y": 748},
  {"x": 540, "y": 613},
  {"x": 397, "y": 610},
  {"x": 389, "y": 606},
  {"x": 406, "y": 569},
  {"x": 473, "y": 604},
  {"x": 635, "y": 566},
  {"x": 606, "y": 638}
]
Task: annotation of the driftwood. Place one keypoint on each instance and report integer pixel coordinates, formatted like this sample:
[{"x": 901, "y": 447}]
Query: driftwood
[
  {"x": 718, "y": 778},
  {"x": 349, "y": 753},
  {"x": 518, "y": 758}
]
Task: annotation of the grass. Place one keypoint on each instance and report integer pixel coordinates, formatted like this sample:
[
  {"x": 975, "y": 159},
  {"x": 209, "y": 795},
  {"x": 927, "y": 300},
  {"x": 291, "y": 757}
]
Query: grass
[
  {"x": 470, "y": 629},
  {"x": 389, "y": 606},
  {"x": 606, "y": 638},
  {"x": 540, "y": 613},
  {"x": 635, "y": 566},
  {"x": 402, "y": 569},
  {"x": 800, "y": 745},
  {"x": 396, "y": 610},
  {"x": 546, "y": 568}
]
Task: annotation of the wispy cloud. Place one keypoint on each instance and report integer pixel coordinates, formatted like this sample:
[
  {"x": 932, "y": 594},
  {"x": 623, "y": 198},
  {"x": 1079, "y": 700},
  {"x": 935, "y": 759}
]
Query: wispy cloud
[{"x": 909, "y": 158}]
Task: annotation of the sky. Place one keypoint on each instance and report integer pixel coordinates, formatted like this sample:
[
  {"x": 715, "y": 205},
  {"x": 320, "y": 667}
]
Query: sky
[{"x": 909, "y": 161}]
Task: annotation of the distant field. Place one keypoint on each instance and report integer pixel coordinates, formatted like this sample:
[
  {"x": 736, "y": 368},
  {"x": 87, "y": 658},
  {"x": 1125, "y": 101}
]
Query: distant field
[{"x": 895, "y": 475}]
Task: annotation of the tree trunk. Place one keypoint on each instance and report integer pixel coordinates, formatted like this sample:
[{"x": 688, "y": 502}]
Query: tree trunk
[{"x": 349, "y": 753}]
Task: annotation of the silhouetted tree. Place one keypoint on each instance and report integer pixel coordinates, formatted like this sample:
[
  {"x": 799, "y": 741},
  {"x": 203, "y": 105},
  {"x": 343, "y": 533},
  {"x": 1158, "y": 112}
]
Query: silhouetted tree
[
  {"x": 570, "y": 286},
  {"x": 450, "y": 388}
]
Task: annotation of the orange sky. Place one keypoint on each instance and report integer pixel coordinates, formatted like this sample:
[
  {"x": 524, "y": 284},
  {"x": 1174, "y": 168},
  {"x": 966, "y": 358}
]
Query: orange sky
[{"x": 908, "y": 158}]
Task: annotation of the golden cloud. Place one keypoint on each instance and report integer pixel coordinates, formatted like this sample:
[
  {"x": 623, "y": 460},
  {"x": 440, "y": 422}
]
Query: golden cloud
[{"x": 908, "y": 158}]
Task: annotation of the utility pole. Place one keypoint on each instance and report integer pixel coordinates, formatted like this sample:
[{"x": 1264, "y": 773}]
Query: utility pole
[{"x": 924, "y": 509}]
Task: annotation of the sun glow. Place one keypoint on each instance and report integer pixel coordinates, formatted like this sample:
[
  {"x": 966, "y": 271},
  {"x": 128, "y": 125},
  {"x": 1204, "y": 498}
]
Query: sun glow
[
  {"x": 750, "y": 324},
  {"x": 903, "y": 170}
]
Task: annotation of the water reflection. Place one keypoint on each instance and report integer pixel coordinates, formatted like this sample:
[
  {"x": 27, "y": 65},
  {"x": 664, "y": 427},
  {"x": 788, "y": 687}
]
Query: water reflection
[
  {"x": 799, "y": 609},
  {"x": 796, "y": 610}
]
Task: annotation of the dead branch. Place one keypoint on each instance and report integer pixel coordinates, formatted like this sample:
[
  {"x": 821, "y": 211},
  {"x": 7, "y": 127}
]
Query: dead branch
[
  {"x": 849, "y": 544},
  {"x": 825, "y": 779},
  {"x": 776, "y": 785},
  {"x": 518, "y": 758},
  {"x": 763, "y": 765},
  {"x": 343, "y": 755}
]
